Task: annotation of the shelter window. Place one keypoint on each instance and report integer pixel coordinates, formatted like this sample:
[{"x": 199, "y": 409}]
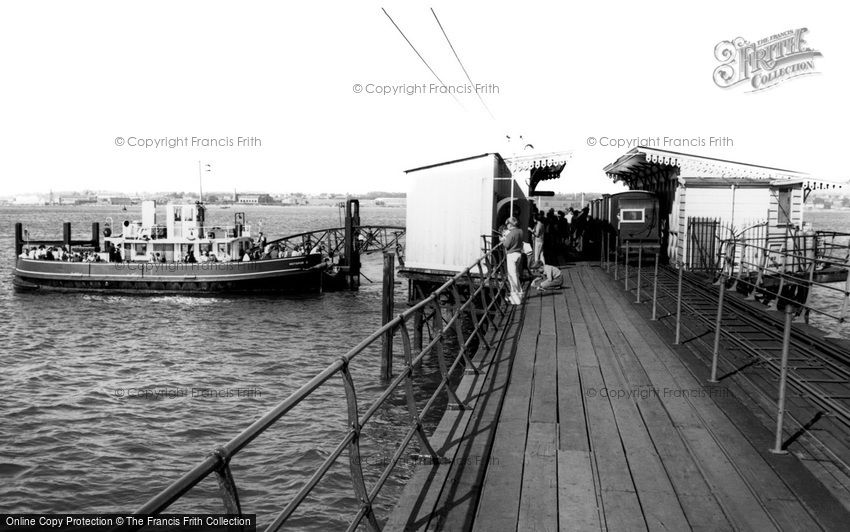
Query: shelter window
[{"x": 632, "y": 215}]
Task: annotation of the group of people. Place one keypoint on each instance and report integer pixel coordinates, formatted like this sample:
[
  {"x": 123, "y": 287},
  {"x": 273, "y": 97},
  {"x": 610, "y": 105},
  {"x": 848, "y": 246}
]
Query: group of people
[
  {"x": 554, "y": 233},
  {"x": 43, "y": 252},
  {"x": 548, "y": 276}
]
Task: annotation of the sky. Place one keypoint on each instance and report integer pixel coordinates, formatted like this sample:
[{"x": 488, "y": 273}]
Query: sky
[{"x": 84, "y": 83}]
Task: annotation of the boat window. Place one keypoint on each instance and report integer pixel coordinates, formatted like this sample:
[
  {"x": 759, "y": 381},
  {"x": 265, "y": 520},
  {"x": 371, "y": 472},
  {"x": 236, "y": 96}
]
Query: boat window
[
  {"x": 222, "y": 248},
  {"x": 141, "y": 249},
  {"x": 632, "y": 215},
  {"x": 177, "y": 214},
  {"x": 188, "y": 214}
]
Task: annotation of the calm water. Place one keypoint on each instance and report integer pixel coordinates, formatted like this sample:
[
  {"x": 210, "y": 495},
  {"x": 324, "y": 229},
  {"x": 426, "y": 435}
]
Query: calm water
[
  {"x": 830, "y": 301},
  {"x": 78, "y": 435}
]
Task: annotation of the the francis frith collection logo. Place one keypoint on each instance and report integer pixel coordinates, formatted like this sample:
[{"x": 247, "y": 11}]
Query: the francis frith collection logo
[{"x": 765, "y": 63}]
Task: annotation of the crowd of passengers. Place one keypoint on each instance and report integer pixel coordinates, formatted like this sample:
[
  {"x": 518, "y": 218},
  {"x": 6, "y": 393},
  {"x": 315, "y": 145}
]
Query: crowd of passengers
[
  {"x": 43, "y": 252},
  {"x": 259, "y": 250}
]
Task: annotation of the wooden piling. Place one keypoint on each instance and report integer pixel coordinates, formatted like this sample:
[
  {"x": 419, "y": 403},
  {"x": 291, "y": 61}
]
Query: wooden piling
[
  {"x": 95, "y": 236},
  {"x": 19, "y": 239},
  {"x": 387, "y": 315},
  {"x": 66, "y": 235}
]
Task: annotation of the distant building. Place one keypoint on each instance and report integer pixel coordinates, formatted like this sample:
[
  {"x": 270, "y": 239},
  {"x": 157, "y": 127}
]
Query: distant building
[
  {"x": 28, "y": 200},
  {"x": 254, "y": 199},
  {"x": 391, "y": 202},
  {"x": 117, "y": 200},
  {"x": 77, "y": 200}
]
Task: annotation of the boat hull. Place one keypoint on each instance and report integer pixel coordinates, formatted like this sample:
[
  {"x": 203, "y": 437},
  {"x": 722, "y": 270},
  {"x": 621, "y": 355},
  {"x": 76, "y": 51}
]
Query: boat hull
[{"x": 290, "y": 275}]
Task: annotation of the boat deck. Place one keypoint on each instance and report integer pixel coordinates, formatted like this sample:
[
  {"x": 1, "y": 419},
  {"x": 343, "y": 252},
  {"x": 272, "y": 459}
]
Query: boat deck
[{"x": 585, "y": 418}]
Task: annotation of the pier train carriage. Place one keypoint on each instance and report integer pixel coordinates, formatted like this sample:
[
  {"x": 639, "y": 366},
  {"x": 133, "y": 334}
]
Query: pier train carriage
[{"x": 631, "y": 216}]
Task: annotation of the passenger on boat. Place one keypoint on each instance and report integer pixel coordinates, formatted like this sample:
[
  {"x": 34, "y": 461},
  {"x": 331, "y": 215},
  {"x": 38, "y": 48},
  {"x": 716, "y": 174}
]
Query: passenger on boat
[
  {"x": 246, "y": 257},
  {"x": 190, "y": 256},
  {"x": 210, "y": 257}
]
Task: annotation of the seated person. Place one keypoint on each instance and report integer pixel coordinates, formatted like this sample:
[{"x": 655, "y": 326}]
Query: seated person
[{"x": 549, "y": 278}]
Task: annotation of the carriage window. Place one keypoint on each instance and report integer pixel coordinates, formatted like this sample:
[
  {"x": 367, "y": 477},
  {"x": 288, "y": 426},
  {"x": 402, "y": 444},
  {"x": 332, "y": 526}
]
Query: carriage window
[{"x": 632, "y": 215}]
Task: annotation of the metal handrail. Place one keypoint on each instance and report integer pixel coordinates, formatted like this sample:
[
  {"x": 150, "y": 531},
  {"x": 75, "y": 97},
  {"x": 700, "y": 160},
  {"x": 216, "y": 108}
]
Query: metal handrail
[
  {"x": 485, "y": 299},
  {"x": 803, "y": 277}
]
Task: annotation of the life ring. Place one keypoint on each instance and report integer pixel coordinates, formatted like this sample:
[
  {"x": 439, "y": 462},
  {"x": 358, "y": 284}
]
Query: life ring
[
  {"x": 107, "y": 232},
  {"x": 191, "y": 235}
]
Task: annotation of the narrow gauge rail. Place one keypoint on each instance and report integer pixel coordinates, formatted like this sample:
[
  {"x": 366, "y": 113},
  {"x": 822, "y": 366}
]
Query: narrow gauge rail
[{"x": 461, "y": 296}]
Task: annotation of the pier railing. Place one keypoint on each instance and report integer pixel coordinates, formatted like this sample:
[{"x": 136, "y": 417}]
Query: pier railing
[{"x": 476, "y": 293}]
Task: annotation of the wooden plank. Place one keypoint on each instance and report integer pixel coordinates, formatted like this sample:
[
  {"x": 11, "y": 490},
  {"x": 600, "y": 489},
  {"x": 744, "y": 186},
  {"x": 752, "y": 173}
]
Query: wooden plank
[
  {"x": 498, "y": 506},
  {"x": 620, "y": 503},
  {"x": 739, "y": 502},
  {"x": 544, "y": 399},
  {"x": 798, "y": 498},
  {"x": 735, "y": 496},
  {"x": 654, "y": 489},
  {"x": 547, "y": 317},
  {"x": 538, "y": 508},
  {"x": 563, "y": 322},
  {"x": 577, "y": 506},
  {"x": 750, "y": 464}
]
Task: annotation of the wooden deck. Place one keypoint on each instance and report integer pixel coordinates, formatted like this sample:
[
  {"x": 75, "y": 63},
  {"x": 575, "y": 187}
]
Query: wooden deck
[{"x": 585, "y": 418}]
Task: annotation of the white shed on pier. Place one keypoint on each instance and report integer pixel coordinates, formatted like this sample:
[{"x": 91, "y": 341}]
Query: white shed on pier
[{"x": 454, "y": 206}]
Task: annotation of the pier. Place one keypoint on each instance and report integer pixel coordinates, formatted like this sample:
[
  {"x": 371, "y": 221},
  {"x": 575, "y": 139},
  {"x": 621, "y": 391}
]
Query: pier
[
  {"x": 591, "y": 419},
  {"x": 605, "y": 405}
]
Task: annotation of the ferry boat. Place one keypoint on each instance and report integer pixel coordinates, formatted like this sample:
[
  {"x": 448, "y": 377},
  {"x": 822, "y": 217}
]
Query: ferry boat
[{"x": 182, "y": 256}]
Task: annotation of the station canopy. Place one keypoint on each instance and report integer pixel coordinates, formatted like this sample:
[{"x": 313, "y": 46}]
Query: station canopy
[{"x": 540, "y": 166}]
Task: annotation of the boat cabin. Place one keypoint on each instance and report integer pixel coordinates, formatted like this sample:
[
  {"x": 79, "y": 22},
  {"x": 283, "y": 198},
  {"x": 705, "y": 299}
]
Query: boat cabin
[{"x": 184, "y": 231}]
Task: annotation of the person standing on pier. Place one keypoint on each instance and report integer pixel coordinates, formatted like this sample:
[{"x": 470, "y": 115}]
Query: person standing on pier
[
  {"x": 538, "y": 233},
  {"x": 513, "y": 249}
]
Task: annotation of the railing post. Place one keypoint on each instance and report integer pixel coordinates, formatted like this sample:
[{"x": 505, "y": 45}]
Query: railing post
[
  {"x": 844, "y": 304},
  {"x": 655, "y": 286},
  {"x": 679, "y": 305},
  {"x": 774, "y": 304},
  {"x": 607, "y": 252},
  {"x": 626, "y": 264},
  {"x": 387, "y": 315},
  {"x": 640, "y": 265},
  {"x": 783, "y": 377},
  {"x": 717, "y": 324},
  {"x": 226, "y": 484},
  {"x": 616, "y": 262},
  {"x": 355, "y": 463}
]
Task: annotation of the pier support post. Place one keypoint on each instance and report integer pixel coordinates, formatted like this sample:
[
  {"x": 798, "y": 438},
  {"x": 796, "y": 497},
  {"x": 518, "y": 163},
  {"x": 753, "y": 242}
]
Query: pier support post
[
  {"x": 717, "y": 323},
  {"x": 19, "y": 239},
  {"x": 626, "y": 264},
  {"x": 66, "y": 235},
  {"x": 783, "y": 377},
  {"x": 387, "y": 316},
  {"x": 679, "y": 305},
  {"x": 655, "y": 287}
]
